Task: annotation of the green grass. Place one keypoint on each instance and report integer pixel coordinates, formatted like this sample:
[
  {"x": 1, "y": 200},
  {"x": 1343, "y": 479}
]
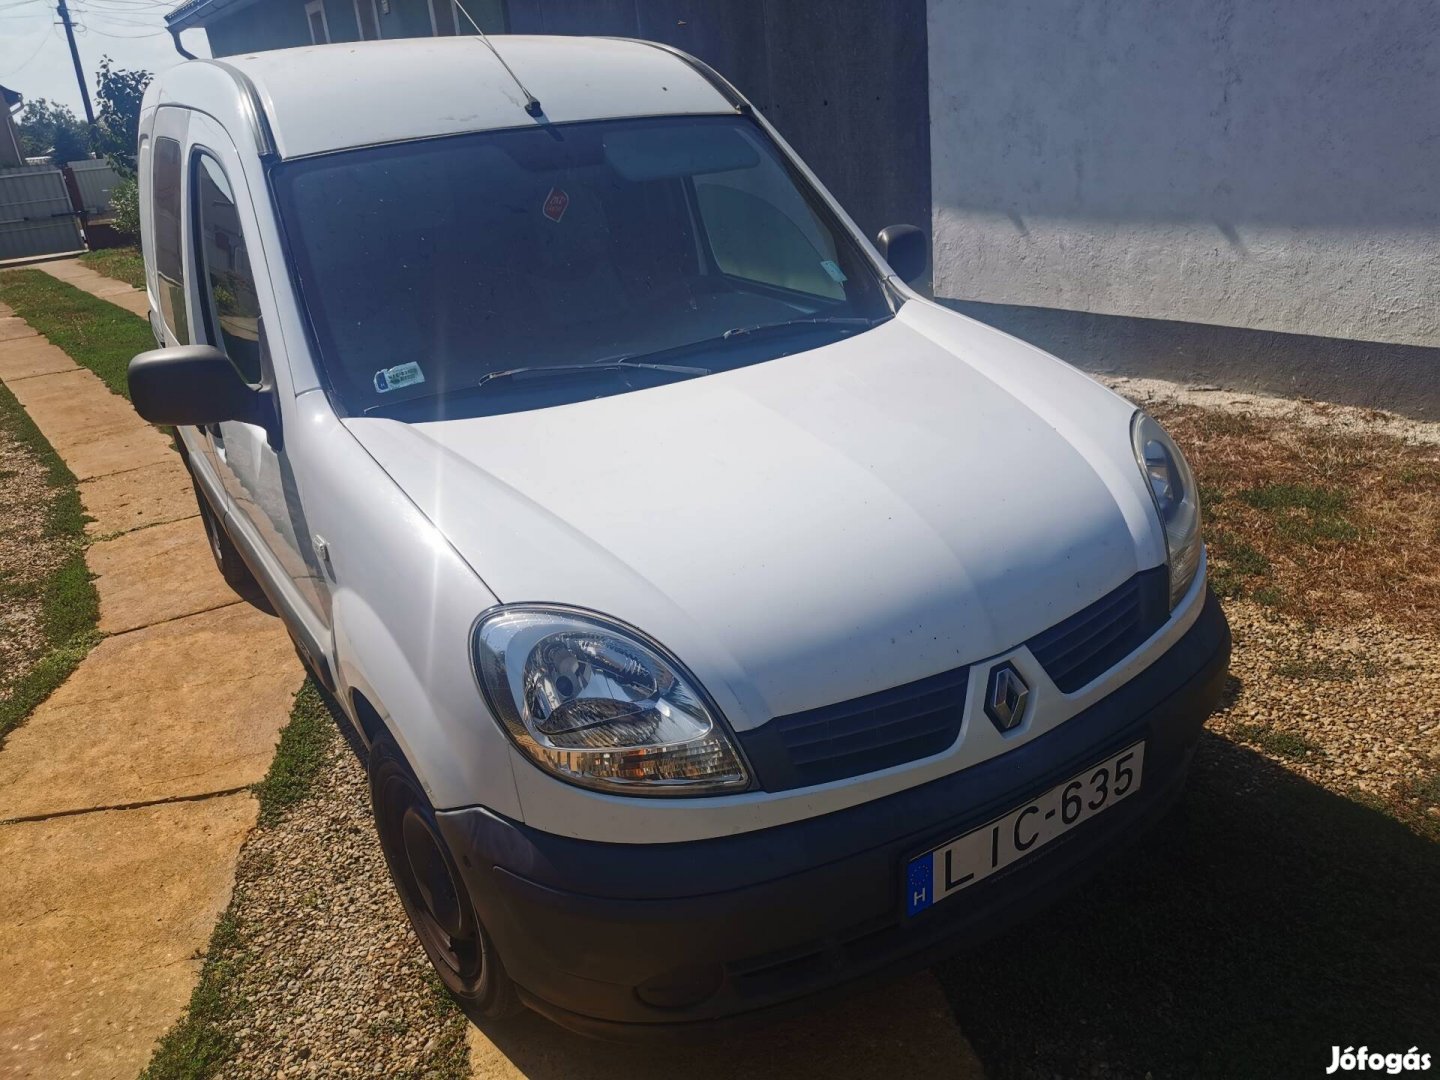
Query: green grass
[
  {"x": 94, "y": 332},
  {"x": 1256, "y": 923},
  {"x": 199, "y": 1045},
  {"x": 301, "y": 754},
  {"x": 123, "y": 264},
  {"x": 1305, "y": 513},
  {"x": 1282, "y": 744},
  {"x": 1236, "y": 561},
  {"x": 69, "y": 604}
]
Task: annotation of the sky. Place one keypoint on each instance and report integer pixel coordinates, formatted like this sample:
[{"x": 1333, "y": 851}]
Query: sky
[{"x": 35, "y": 60}]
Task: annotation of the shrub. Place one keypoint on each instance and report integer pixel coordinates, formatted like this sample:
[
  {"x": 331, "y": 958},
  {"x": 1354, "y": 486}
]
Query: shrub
[{"x": 125, "y": 206}]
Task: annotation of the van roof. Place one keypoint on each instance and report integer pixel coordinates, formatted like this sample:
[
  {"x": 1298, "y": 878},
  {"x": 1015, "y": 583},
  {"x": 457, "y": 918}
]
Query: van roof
[{"x": 329, "y": 97}]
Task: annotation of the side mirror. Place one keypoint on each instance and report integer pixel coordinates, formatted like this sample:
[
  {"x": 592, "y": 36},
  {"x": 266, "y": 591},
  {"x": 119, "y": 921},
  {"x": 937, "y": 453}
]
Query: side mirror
[
  {"x": 906, "y": 250},
  {"x": 196, "y": 385}
]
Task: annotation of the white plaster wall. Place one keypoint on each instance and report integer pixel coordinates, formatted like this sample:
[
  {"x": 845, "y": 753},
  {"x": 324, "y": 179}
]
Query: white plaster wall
[{"x": 1273, "y": 165}]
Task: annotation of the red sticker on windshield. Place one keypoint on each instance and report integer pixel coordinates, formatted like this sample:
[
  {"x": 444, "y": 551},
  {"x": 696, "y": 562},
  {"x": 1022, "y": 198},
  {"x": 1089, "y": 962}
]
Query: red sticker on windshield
[{"x": 556, "y": 204}]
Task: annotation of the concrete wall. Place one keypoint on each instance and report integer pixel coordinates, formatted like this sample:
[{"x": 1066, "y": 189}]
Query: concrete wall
[
  {"x": 1265, "y": 165},
  {"x": 843, "y": 81}
]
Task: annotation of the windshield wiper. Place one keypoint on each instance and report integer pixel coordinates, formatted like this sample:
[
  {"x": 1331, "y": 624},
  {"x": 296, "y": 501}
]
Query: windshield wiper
[
  {"x": 619, "y": 363},
  {"x": 790, "y": 324}
]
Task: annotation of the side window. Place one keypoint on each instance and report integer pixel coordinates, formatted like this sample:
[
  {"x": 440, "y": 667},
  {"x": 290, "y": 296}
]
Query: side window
[
  {"x": 232, "y": 312},
  {"x": 169, "y": 262},
  {"x": 760, "y": 229}
]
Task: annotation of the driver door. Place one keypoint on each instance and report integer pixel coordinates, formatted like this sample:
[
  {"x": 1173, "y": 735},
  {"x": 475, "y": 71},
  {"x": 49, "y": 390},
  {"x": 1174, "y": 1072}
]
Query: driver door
[{"x": 233, "y": 300}]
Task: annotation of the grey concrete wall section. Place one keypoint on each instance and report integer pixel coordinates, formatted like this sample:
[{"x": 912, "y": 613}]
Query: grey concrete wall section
[
  {"x": 1265, "y": 165},
  {"x": 843, "y": 81},
  {"x": 1399, "y": 378}
]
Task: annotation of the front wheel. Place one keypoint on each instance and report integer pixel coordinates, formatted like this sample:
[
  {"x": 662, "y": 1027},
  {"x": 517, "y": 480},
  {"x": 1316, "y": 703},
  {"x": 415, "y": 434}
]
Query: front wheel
[{"x": 431, "y": 890}]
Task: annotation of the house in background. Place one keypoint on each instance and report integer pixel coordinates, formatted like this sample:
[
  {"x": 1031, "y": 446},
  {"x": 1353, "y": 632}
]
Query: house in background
[
  {"x": 236, "y": 26},
  {"x": 1243, "y": 195},
  {"x": 11, "y": 152}
]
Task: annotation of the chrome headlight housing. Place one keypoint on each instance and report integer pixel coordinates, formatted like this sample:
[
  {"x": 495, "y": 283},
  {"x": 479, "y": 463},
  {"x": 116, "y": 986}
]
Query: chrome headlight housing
[
  {"x": 597, "y": 704},
  {"x": 1173, "y": 490}
]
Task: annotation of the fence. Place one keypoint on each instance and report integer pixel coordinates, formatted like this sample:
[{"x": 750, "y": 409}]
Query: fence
[
  {"x": 95, "y": 180},
  {"x": 36, "y": 217}
]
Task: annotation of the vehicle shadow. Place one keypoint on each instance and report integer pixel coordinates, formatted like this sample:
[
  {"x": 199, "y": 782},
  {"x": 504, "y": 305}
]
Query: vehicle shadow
[
  {"x": 903, "y": 1028},
  {"x": 1263, "y": 922}
]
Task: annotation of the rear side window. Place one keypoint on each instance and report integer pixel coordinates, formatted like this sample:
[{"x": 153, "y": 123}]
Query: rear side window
[
  {"x": 169, "y": 263},
  {"x": 232, "y": 312}
]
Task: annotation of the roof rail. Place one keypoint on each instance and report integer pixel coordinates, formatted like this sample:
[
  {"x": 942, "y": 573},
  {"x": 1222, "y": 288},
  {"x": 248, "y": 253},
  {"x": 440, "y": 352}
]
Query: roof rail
[{"x": 251, "y": 103}]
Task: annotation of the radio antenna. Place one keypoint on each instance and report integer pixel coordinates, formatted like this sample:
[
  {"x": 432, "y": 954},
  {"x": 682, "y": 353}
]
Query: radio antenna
[{"x": 532, "y": 103}]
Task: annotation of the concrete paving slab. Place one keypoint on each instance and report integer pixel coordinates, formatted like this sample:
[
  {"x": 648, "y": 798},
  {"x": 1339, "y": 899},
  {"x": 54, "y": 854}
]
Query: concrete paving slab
[
  {"x": 117, "y": 452},
  {"x": 106, "y": 915},
  {"x": 129, "y": 500},
  {"x": 26, "y": 357},
  {"x": 72, "y": 405},
  {"x": 73, "y": 272},
  {"x": 12, "y": 328},
  {"x": 151, "y": 575},
  {"x": 182, "y": 708},
  {"x": 900, "y": 1029}
]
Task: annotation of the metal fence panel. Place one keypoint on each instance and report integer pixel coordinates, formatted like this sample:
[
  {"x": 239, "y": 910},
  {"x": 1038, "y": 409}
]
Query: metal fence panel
[
  {"x": 36, "y": 217},
  {"x": 95, "y": 179}
]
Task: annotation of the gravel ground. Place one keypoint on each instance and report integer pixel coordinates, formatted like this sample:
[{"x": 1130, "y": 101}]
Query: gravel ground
[
  {"x": 1353, "y": 709},
  {"x": 27, "y": 555},
  {"x": 330, "y": 981}
]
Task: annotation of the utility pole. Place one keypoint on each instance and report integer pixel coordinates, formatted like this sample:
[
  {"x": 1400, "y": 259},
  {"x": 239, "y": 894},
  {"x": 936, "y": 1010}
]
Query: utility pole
[{"x": 75, "y": 56}]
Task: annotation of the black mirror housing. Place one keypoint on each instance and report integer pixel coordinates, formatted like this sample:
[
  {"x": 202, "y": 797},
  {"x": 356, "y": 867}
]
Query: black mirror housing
[
  {"x": 907, "y": 251},
  {"x": 195, "y": 385}
]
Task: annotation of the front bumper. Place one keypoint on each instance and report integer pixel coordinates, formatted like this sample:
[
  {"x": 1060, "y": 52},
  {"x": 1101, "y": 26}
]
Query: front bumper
[{"x": 625, "y": 939}]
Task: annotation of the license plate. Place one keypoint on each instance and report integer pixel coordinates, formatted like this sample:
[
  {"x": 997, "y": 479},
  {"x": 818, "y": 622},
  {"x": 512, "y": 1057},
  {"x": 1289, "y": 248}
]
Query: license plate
[{"x": 960, "y": 863}]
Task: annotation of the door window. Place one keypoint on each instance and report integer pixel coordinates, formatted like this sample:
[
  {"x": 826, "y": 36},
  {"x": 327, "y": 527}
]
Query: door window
[
  {"x": 232, "y": 312},
  {"x": 169, "y": 262}
]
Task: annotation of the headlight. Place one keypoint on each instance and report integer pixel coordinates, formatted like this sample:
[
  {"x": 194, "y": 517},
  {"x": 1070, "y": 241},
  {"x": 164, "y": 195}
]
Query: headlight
[
  {"x": 1172, "y": 486},
  {"x": 593, "y": 703}
]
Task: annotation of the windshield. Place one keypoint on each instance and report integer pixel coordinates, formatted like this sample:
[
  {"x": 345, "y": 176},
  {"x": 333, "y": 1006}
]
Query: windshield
[{"x": 518, "y": 269}]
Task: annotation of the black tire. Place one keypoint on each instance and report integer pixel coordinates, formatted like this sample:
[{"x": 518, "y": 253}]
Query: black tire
[
  {"x": 432, "y": 892},
  {"x": 228, "y": 558}
]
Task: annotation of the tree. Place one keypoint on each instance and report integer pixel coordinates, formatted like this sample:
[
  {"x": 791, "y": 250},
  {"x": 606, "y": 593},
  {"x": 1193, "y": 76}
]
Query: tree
[
  {"x": 117, "y": 126},
  {"x": 47, "y": 128}
]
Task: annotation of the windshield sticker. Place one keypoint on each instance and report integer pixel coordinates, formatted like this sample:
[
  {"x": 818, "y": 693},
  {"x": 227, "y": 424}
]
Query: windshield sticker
[
  {"x": 396, "y": 377},
  {"x": 556, "y": 203},
  {"x": 833, "y": 269}
]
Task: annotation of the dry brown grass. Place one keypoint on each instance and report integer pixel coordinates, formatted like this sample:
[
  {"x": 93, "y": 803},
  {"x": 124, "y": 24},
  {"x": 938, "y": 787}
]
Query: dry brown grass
[{"x": 1313, "y": 523}]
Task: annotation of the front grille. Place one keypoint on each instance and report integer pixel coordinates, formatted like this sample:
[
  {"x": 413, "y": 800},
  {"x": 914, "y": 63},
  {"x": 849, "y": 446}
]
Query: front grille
[
  {"x": 859, "y": 736},
  {"x": 921, "y": 718},
  {"x": 1095, "y": 639}
]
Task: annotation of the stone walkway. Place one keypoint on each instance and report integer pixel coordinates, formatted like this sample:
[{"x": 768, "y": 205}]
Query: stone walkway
[
  {"x": 123, "y": 798},
  {"x": 74, "y": 272}
]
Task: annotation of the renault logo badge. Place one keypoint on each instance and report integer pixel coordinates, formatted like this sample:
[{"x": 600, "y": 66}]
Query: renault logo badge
[{"x": 1006, "y": 696}]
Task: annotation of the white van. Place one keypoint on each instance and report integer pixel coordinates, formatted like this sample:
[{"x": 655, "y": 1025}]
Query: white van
[{"x": 725, "y": 620}]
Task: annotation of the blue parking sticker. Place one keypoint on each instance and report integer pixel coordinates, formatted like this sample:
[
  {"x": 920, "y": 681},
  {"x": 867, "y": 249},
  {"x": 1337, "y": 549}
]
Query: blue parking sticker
[{"x": 920, "y": 884}]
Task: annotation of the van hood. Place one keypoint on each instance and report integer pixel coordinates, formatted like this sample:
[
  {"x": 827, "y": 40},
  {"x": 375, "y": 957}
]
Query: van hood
[{"x": 806, "y": 530}]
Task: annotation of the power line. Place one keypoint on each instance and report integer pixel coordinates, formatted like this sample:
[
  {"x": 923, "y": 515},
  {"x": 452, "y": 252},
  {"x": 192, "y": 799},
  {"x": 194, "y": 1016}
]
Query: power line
[{"x": 44, "y": 40}]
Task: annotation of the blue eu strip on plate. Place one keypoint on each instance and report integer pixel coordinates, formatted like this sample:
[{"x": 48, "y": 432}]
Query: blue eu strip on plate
[{"x": 920, "y": 883}]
